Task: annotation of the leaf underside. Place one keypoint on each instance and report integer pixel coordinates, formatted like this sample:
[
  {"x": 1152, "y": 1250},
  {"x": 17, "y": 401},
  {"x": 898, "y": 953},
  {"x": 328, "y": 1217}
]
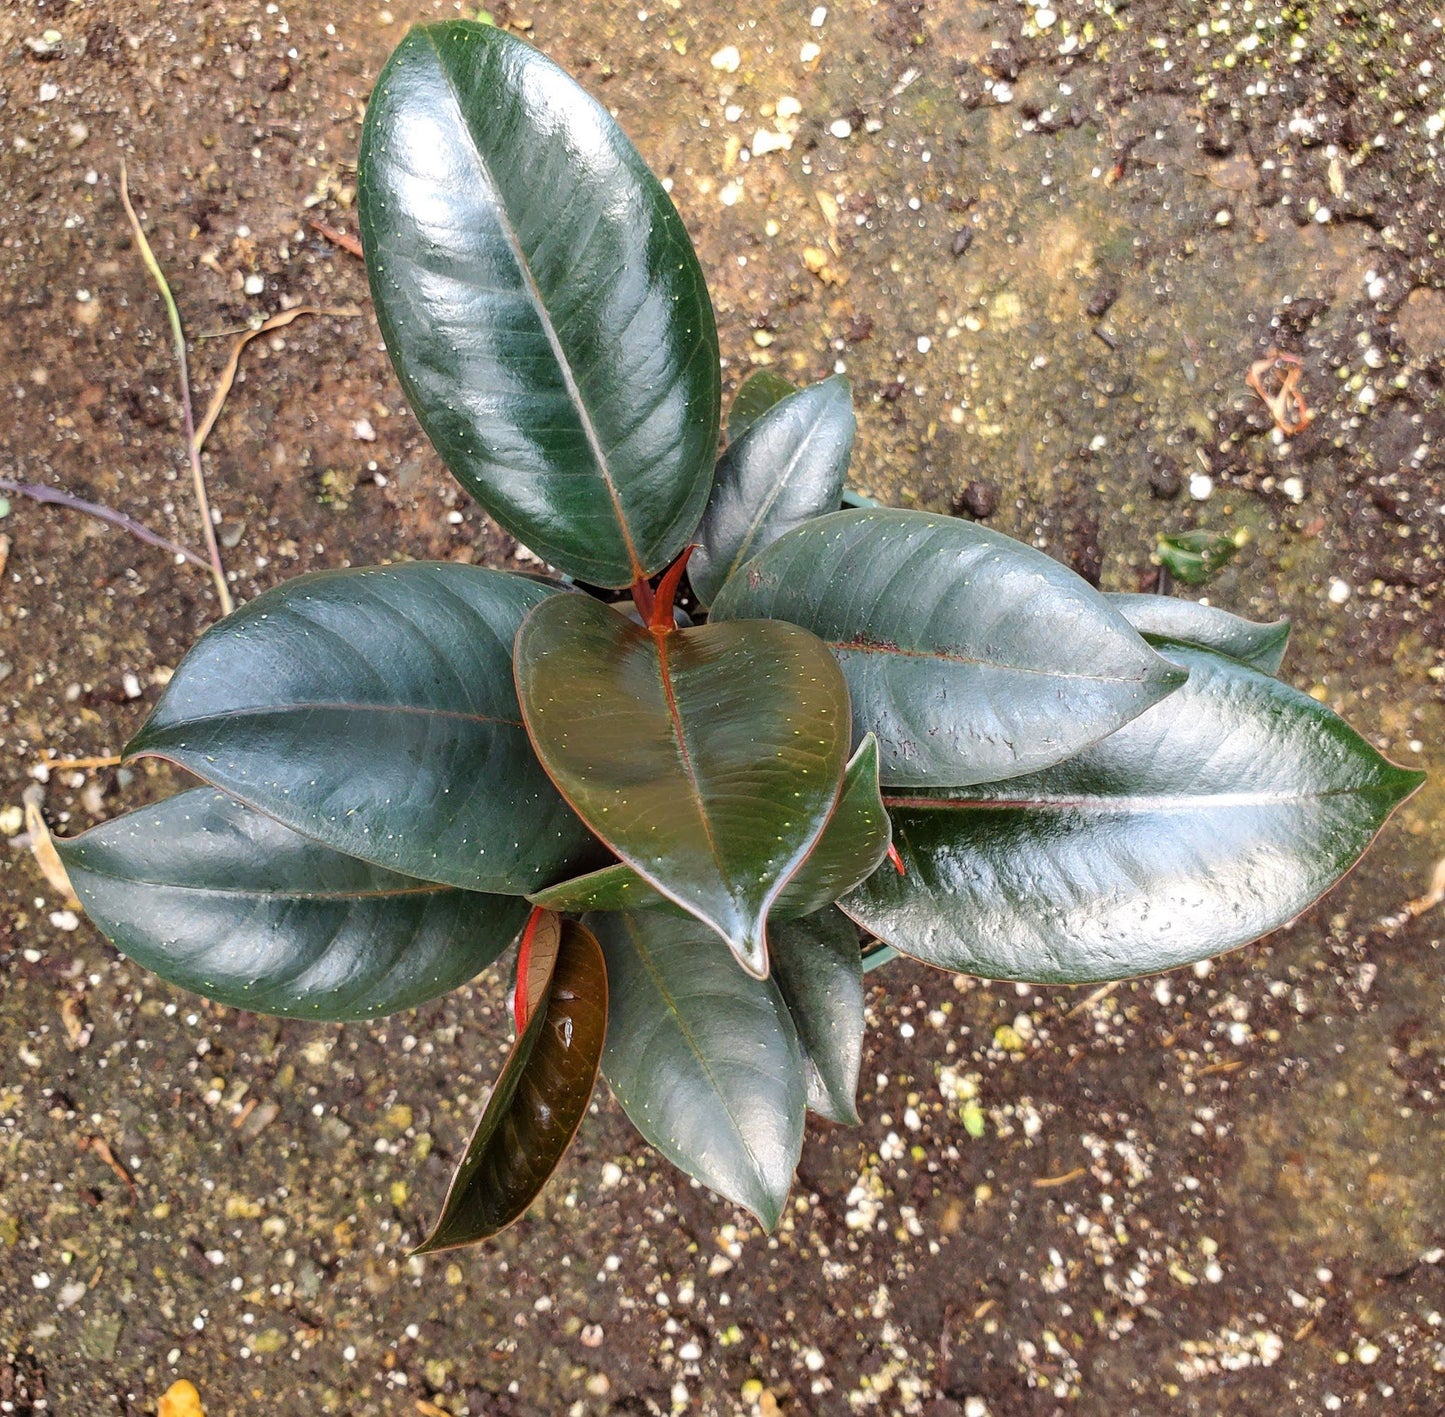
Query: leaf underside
[
  {"x": 972, "y": 656},
  {"x": 707, "y": 759},
  {"x": 1215, "y": 817},
  {"x": 361, "y": 707},
  {"x": 218, "y": 899},
  {"x": 1165, "y": 618},
  {"x": 819, "y": 970},
  {"x": 541, "y": 302},
  {"x": 703, "y": 1058},
  {"x": 851, "y": 847},
  {"x": 537, "y": 1104},
  {"x": 787, "y": 468}
]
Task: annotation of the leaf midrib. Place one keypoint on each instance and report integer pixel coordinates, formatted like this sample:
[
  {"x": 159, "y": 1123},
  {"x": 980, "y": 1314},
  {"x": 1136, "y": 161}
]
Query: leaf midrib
[
  {"x": 861, "y": 645},
  {"x": 534, "y": 296},
  {"x": 256, "y": 893},
  {"x": 1153, "y": 802},
  {"x": 324, "y": 705},
  {"x": 759, "y": 1172}
]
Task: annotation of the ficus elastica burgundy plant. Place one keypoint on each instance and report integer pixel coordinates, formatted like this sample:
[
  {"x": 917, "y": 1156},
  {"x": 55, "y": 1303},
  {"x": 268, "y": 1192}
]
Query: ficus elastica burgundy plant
[{"x": 877, "y": 732}]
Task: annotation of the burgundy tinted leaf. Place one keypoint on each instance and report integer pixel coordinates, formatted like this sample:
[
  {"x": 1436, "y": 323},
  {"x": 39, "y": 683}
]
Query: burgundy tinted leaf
[{"x": 540, "y": 1098}]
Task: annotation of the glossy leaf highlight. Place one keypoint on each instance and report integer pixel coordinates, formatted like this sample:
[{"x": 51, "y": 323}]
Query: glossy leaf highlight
[
  {"x": 972, "y": 656},
  {"x": 374, "y": 711},
  {"x": 218, "y": 899},
  {"x": 542, "y": 304},
  {"x": 1215, "y": 817},
  {"x": 703, "y": 1058},
  {"x": 1165, "y": 618},
  {"x": 707, "y": 759},
  {"x": 786, "y": 468},
  {"x": 850, "y": 849},
  {"x": 539, "y": 1099},
  {"x": 819, "y": 969}
]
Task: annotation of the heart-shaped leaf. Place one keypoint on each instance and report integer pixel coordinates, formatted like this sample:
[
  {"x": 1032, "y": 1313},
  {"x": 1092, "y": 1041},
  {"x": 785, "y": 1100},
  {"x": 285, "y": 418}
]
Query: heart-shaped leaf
[
  {"x": 542, "y": 1093},
  {"x": 703, "y": 1058},
  {"x": 541, "y": 301},
  {"x": 787, "y": 468},
  {"x": 708, "y": 759},
  {"x": 218, "y": 899},
  {"x": 755, "y": 396},
  {"x": 973, "y": 657},
  {"x": 1161, "y": 618},
  {"x": 850, "y": 849},
  {"x": 1216, "y": 816},
  {"x": 374, "y": 710},
  {"x": 819, "y": 970}
]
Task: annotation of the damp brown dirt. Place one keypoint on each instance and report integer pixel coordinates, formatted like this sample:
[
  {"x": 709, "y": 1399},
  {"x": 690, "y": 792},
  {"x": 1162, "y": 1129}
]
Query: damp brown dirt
[{"x": 1046, "y": 243}]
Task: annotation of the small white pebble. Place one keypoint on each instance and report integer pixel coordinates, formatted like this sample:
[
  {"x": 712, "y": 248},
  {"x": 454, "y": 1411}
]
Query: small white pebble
[
  {"x": 1003, "y": 93},
  {"x": 841, "y": 128},
  {"x": 727, "y": 59},
  {"x": 1044, "y": 19},
  {"x": 1322, "y": 215},
  {"x": 254, "y": 284},
  {"x": 808, "y": 53},
  {"x": 924, "y": 344},
  {"x": 788, "y": 107},
  {"x": 816, "y": 19},
  {"x": 1339, "y": 591},
  {"x": 49, "y": 92},
  {"x": 1223, "y": 217},
  {"x": 689, "y": 1352},
  {"x": 130, "y": 684},
  {"x": 362, "y": 429},
  {"x": 1201, "y": 486},
  {"x": 65, "y": 919},
  {"x": 41, "y": 1280}
]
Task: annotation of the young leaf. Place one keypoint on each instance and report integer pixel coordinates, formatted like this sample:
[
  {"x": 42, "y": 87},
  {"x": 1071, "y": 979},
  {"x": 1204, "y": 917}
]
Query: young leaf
[
  {"x": 819, "y": 970},
  {"x": 363, "y": 708},
  {"x": 541, "y": 1095},
  {"x": 708, "y": 759},
  {"x": 755, "y": 396},
  {"x": 788, "y": 467},
  {"x": 1216, "y": 816},
  {"x": 850, "y": 849},
  {"x": 1164, "y": 618},
  {"x": 218, "y": 899},
  {"x": 703, "y": 1058},
  {"x": 541, "y": 301},
  {"x": 973, "y": 657}
]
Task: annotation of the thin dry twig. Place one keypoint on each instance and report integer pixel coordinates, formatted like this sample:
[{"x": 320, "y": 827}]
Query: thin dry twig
[
  {"x": 193, "y": 450},
  {"x": 337, "y": 237},
  {"x": 228, "y": 374},
  {"x": 101, "y": 1148},
  {"x": 38, "y": 492},
  {"x": 1042, "y": 1183},
  {"x": 108, "y": 760},
  {"x": 43, "y": 849}
]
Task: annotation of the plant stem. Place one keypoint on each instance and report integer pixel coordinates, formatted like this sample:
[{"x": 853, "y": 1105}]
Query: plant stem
[
  {"x": 38, "y": 492},
  {"x": 878, "y": 957},
  {"x": 193, "y": 450}
]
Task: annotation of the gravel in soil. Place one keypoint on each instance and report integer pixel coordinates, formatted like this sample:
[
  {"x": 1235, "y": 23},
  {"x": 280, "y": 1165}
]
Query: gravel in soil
[{"x": 1046, "y": 243}]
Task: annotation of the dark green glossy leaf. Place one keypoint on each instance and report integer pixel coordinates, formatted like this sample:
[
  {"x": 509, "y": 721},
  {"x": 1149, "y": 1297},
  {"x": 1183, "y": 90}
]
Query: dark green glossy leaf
[
  {"x": 1161, "y": 618},
  {"x": 539, "y": 1099},
  {"x": 1216, "y": 816},
  {"x": 541, "y": 301},
  {"x": 852, "y": 845},
  {"x": 708, "y": 759},
  {"x": 374, "y": 710},
  {"x": 973, "y": 657},
  {"x": 755, "y": 396},
  {"x": 788, "y": 467},
  {"x": 703, "y": 1058},
  {"x": 819, "y": 970},
  {"x": 218, "y": 899}
]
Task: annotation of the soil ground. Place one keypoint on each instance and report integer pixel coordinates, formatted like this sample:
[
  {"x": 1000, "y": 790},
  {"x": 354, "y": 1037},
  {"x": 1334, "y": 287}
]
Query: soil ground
[{"x": 1045, "y": 243}]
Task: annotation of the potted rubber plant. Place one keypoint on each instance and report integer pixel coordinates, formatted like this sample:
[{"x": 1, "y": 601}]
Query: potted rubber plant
[{"x": 877, "y": 732}]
